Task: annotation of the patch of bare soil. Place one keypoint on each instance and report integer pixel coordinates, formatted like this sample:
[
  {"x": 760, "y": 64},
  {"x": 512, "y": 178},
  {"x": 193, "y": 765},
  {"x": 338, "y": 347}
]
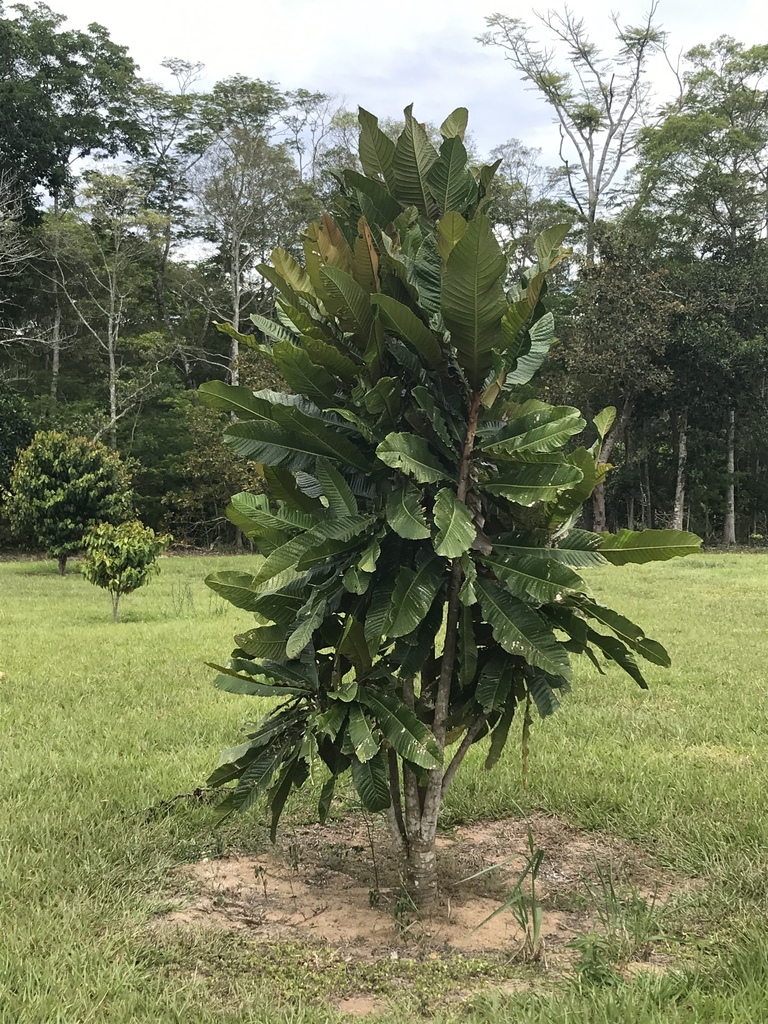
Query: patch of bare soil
[{"x": 341, "y": 883}]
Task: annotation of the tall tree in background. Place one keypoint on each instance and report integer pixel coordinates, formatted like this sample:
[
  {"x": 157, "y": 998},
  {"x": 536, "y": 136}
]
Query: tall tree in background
[
  {"x": 704, "y": 172},
  {"x": 599, "y": 104}
]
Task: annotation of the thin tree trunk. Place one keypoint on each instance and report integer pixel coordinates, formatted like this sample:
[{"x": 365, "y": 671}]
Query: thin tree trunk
[
  {"x": 422, "y": 809},
  {"x": 729, "y": 526},
  {"x": 56, "y": 334},
  {"x": 112, "y": 388},
  {"x": 115, "y": 603},
  {"x": 62, "y": 564},
  {"x": 678, "y": 513}
]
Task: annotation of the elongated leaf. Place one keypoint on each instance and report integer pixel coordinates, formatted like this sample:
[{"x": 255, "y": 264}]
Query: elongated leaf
[
  {"x": 455, "y": 528},
  {"x": 377, "y": 150},
  {"x": 283, "y": 487},
  {"x": 256, "y": 779},
  {"x": 349, "y": 302},
  {"x": 371, "y": 779},
  {"x": 230, "y": 398},
  {"x": 647, "y": 546},
  {"x": 310, "y": 548},
  {"x": 604, "y": 421},
  {"x": 304, "y": 376},
  {"x": 548, "y": 245},
  {"x": 399, "y": 319},
  {"x": 341, "y": 500},
  {"x": 360, "y": 733},
  {"x": 410, "y": 737},
  {"x": 448, "y": 180},
  {"x": 427, "y": 403},
  {"x": 629, "y": 633},
  {"x": 541, "y": 335},
  {"x": 467, "y": 646},
  {"x": 593, "y": 473},
  {"x": 413, "y": 595},
  {"x": 405, "y": 514},
  {"x": 572, "y": 551},
  {"x": 377, "y": 203},
  {"x": 414, "y": 156},
  {"x": 544, "y": 697},
  {"x": 309, "y": 621},
  {"x": 264, "y": 642},
  {"x": 473, "y": 300},
  {"x": 366, "y": 268},
  {"x": 542, "y": 430},
  {"x": 615, "y": 650},
  {"x": 455, "y": 124},
  {"x": 501, "y": 733},
  {"x": 527, "y": 483},
  {"x": 294, "y": 773},
  {"x": 245, "y": 686},
  {"x": 275, "y": 332},
  {"x": 235, "y": 587},
  {"x": 325, "y": 800},
  {"x": 254, "y": 512},
  {"x": 293, "y": 445},
  {"x": 536, "y": 580},
  {"x": 495, "y": 683},
  {"x": 520, "y": 630},
  {"x": 377, "y": 619},
  {"x": 450, "y": 231},
  {"x": 384, "y": 400},
  {"x": 411, "y": 455},
  {"x": 331, "y": 358}
]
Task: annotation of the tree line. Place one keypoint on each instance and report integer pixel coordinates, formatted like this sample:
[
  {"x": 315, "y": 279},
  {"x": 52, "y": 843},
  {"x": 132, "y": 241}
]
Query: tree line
[{"x": 135, "y": 218}]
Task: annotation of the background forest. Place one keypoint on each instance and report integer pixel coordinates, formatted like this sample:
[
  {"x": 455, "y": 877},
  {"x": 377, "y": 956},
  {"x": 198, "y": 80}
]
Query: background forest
[{"x": 134, "y": 218}]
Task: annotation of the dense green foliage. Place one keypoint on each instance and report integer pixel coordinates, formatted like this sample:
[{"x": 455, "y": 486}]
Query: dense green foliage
[
  {"x": 419, "y": 532},
  {"x": 62, "y": 486},
  {"x": 121, "y": 558},
  {"x": 210, "y": 182}
]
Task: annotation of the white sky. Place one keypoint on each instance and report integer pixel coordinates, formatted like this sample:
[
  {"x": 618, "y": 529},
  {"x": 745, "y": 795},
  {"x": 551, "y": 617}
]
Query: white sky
[{"x": 387, "y": 54}]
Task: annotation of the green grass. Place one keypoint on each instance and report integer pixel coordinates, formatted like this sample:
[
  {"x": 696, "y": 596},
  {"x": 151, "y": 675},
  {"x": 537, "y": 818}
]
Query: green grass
[{"x": 99, "y": 723}]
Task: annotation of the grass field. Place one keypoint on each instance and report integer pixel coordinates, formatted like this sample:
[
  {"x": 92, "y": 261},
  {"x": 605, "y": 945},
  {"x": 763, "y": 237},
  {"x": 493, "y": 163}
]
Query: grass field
[{"x": 100, "y": 722}]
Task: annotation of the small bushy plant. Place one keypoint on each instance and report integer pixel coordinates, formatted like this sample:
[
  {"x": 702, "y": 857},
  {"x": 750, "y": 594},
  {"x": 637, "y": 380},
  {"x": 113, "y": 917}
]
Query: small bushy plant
[
  {"x": 122, "y": 558},
  {"x": 62, "y": 486}
]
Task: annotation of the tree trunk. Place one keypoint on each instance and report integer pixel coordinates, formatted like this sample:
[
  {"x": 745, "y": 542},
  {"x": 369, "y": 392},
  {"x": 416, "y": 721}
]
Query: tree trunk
[
  {"x": 729, "y": 526},
  {"x": 598, "y": 509},
  {"x": 56, "y": 343},
  {"x": 413, "y": 818},
  {"x": 115, "y": 603},
  {"x": 62, "y": 564},
  {"x": 678, "y": 513},
  {"x": 598, "y": 495}
]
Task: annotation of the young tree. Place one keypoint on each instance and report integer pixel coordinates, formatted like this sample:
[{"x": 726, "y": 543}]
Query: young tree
[
  {"x": 419, "y": 536},
  {"x": 62, "y": 486},
  {"x": 599, "y": 104},
  {"x": 121, "y": 558}
]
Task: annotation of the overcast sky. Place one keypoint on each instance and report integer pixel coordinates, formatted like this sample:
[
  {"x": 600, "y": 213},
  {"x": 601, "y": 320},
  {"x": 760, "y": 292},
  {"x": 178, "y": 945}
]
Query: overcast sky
[{"x": 387, "y": 54}]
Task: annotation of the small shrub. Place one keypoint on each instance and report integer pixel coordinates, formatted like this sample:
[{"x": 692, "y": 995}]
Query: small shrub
[
  {"x": 122, "y": 558},
  {"x": 62, "y": 486}
]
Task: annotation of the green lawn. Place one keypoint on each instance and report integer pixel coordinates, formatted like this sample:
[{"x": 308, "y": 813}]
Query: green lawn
[{"x": 99, "y": 722}]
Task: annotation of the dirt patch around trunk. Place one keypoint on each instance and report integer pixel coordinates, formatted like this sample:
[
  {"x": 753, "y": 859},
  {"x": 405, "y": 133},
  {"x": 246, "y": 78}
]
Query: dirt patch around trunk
[{"x": 341, "y": 884}]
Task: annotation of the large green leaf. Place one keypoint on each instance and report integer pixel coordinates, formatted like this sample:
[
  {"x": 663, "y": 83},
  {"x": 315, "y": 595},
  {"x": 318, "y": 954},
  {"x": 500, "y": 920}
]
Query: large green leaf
[
  {"x": 473, "y": 300},
  {"x": 377, "y": 150},
  {"x": 405, "y": 513},
  {"x": 467, "y": 648},
  {"x": 310, "y": 619},
  {"x": 327, "y": 355},
  {"x": 540, "y": 335},
  {"x": 448, "y": 180},
  {"x": 573, "y": 550},
  {"x": 294, "y": 443},
  {"x": 310, "y": 548},
  {"x": 629, "y": 633},
  {"x": 455, "y": 124},
  {"x": 411, "y": 455},
  {"x": 341, "y": 500},
  {"x": 537, "y": 580},
  {"x": 378, "y": 205},
  {"x": 349, "y": 302},
  {"x": 647, "y": 546},
  {"x": 455, "y": 528},
  {"x": 411, "y": 738},
  {"x": 377, "y": 619},
  {"x": 399, "y": 319},
  {"x": 615, "y": 650},
  {"x": 414, "y": 592},
  {"x": 414, "y": 156},
  {"x": 272, "y": 330},
  {"x": 361, "y": 734},
  {"x": 232, "y": 398},
  {"x": 545, "y": 429},
  {"x": 263, "y": 642},
  {"x": 302, "y": 375},
  {"x": 520, "y": 630},
  {"x": 495, "y": 683},
  {"x": 428, "y": 405},
  {"x": 371, "y": 780},
  {"x": 235, "y": 587},
  {"x": 593, "y": 473},
  {"x": 528, "y": 483}
]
